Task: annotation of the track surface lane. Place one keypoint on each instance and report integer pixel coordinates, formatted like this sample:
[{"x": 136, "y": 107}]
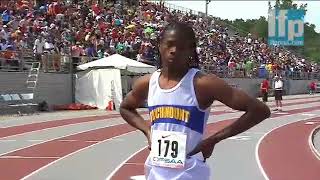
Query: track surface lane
[
  {"x": 25, "y": 140},
  {"x": 285, "y": 152},
  {"x": 135, "y": 164},
  {"x": 20, "y": 163},
  {"x": 15, "y": 130},
  {"x": 30, "y": 159}
]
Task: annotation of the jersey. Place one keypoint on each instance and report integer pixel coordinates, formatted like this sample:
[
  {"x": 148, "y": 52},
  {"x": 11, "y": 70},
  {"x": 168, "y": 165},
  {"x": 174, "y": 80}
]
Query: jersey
[{"x": 176, "y": 110}]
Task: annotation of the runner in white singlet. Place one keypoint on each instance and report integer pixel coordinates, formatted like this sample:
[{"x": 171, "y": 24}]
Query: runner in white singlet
[{"x": 179, "y": 98}]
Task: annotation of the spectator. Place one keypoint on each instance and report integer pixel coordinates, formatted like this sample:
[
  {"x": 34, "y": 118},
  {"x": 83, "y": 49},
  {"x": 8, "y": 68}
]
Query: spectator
[
  {"x": 313, "y": 87},
  {"x": 102, "y": 29},
  {"x": 278, "y": 89},
  {"x": 265, "y": 89}
]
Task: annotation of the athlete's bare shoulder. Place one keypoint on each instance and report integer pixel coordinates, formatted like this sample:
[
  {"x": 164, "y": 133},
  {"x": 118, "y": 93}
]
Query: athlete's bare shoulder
[
  {"x": 139, "y": 93},
  {"x": 205, "y": 85},
  {"x": 141, "y": 85},
  {"x": 209, "y": 87}
]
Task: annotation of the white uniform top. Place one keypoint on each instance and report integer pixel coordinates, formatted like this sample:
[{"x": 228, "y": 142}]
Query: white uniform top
[
  {"x": 181, "y": 98},
  {"x": 278, "y": 85}
]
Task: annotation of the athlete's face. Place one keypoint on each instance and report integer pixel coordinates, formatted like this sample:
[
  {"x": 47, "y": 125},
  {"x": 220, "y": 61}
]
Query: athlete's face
[{"x": 175, "y": 49}]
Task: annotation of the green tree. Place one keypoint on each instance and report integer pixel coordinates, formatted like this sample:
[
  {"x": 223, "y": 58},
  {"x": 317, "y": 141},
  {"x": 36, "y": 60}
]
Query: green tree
[{"x": 259, "y": 27}]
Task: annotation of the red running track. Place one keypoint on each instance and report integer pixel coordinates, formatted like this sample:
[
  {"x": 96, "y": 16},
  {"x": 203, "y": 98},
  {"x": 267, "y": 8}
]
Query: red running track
[
  {"x": 16, "y": 168},
  {"x": 32, "y": 158},
  {"x": 135, "y": 165},
  {"x": 15, "y": 130},
  {"x": 285, "y": 153}
]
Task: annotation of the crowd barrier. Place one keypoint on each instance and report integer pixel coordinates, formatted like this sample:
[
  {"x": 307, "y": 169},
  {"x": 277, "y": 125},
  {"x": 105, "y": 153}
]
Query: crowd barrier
[
  {"x": 22, "y": 60},
  {"x": 225, "y": 72}
]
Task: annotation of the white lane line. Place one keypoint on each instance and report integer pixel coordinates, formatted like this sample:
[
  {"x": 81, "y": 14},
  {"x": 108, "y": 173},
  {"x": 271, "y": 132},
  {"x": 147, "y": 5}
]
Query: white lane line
[
  {"x": 309, "y": 123},
  {"x": 240, "y": 138},
  {"x": 311, "y": 145},
  {"x": 281, "y": 113},
  {"x": 66, "y": 156},
  {"x": 123, "y": 163},
  {"x": 115, "y": 139},
  {"x": 289, "y": 100},
  {"x": 139, "y": 177},
  {"x": 260, "y": 140},
  {"x": 8, "y": 140},
  {"x": 140, "y": 164},
  {"x": 68, "y": 140},
  {"x": 92, "y": 141},
  {"x": 308, "y": 114},
  {"x": 63, "y": 136},
  {"x": 116, "y": 119},
  {"x": 60, "y": 137},
  {"x": 29, "y": 157},
  {"x": 35, "y": 140},
  {"x": 74, "y": 140}
]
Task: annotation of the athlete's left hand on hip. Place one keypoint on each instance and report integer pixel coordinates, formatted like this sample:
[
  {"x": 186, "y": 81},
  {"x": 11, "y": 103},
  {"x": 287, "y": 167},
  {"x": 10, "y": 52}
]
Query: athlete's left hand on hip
[{"x": 206, "y": 147}]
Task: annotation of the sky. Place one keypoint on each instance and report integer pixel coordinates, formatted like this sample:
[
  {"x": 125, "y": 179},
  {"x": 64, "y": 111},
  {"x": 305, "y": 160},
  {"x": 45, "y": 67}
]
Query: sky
[{"x": 247, "y": 9}]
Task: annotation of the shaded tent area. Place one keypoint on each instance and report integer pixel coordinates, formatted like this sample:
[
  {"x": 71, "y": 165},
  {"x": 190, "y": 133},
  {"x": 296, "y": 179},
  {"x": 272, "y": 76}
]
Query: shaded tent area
[{"x": 104, "y": 82}]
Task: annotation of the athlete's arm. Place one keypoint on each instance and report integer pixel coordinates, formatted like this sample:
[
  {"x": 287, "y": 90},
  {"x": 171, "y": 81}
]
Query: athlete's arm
[
  {"x": 214, "y": 88},
  {"x": 134, "y": 99}
]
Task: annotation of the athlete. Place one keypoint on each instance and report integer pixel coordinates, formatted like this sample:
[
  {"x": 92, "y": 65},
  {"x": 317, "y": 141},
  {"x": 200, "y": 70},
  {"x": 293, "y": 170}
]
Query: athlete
[{"x": 179, "y": 97}]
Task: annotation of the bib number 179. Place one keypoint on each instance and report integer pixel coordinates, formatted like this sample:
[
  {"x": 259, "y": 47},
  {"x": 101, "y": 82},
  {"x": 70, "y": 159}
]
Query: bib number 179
[
  {"x": 168, "y": 149},
  {"x": 173, "y": 145}
]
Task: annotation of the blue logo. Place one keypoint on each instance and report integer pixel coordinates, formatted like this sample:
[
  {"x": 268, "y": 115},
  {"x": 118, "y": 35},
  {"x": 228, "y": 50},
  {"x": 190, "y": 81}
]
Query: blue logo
[{"x": 286, "y": 27}]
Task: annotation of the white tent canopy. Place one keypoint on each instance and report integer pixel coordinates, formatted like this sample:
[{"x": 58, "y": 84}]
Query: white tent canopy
[
  {"x": 119, "y": 62},
  {"x": 105, "y": 82}
]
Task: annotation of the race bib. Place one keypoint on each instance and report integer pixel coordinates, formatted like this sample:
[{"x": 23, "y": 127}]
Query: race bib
[{"x": 168, "y": 149}]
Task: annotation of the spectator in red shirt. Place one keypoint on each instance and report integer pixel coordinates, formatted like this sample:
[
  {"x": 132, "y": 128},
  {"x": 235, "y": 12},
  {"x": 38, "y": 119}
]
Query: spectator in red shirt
[
  {"x": 264, "y": 89},
  {"x": 312, "y": 87}
]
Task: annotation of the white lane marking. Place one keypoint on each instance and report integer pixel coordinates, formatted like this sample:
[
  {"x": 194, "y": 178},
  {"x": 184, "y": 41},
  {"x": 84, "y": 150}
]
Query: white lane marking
[
  {"x": 140, "y": 164},
  {"x": 68, "y": 135},
  {"x": 29, "y": 157},
  {"x": 260, "y": 140},
  {"x": 93, "y": 141},
  {"x": 35, "y": 140},
  {"x": 68, "y": 140},
  {"x": 309, "y": 123},
  {"x": 8, "y": 140},
  {"x": 57, "y": 138},
  {"x": 70, "y": 154},
  {"x": 290, "y": 99},
  {"x": 115, "y": 139},
  {"x": 241, "y": 138},
  {"x": 139, "y": 177},
  {"x": 116, "y": 119},
  {"x": 311, "y": 145},
  {"x": 123, "y": 163},
  {"x": 308, "y": 114},
  {"x": 281, "y": 113},
  {"x": 74, "y": 140}
]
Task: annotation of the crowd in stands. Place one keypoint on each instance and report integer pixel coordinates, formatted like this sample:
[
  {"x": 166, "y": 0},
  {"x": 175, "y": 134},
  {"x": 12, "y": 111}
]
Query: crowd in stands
[{"x": 87, "y": 31}]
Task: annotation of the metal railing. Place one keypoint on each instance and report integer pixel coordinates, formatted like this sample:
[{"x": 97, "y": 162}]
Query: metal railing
[
  {"x": 225, "y": 72},
  {"x": 21, "y": 61}
]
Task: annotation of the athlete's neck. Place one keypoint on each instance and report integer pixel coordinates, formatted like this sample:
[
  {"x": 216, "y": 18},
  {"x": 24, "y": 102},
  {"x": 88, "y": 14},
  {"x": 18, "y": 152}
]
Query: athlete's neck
[{"x": 173, "y": 73}]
